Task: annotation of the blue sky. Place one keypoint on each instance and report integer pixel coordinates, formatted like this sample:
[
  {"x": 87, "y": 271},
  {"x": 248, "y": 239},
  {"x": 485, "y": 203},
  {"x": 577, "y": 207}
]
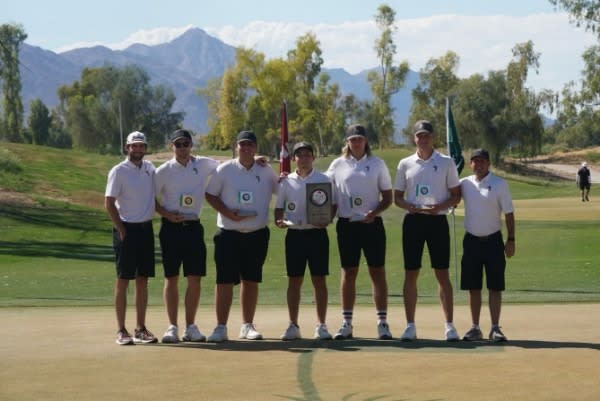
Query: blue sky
[{"x": 481, "y": 32}]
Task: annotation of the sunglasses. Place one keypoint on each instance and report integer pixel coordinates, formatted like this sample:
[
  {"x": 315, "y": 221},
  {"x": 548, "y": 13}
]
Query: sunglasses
[{"x": 182, "y": 144}]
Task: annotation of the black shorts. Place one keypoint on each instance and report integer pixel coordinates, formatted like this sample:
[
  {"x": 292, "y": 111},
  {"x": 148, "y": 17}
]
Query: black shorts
[
  {"x": 420, "y": 229},
  {"x": 354, "y": 237},
  {"x": 240, "y": 256},
  {"x": 479, "y": 253},
  {"x": 183, "y": 243},
  {"x": 134, "y": 256},
  {"x": 584, "y": 185},
  {"x": 307, "y": 246}
]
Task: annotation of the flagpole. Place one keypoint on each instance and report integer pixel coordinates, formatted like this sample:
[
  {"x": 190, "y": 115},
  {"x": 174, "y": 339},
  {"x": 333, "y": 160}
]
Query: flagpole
[
  {"x": 284, "y": 155},
  {"x": 449, "y": 129}
]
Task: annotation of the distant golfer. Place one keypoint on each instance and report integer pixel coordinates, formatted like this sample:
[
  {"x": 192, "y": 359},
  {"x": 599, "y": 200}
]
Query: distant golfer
[
  {"x": 486, "y": 197},
  {"x": 129, "y": 200},
  {"x": 584, "y": 181}
]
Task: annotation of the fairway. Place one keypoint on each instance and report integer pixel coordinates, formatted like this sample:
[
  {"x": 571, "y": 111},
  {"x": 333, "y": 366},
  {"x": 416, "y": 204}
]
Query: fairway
[
  {"x": 69, "y": 354},
  {"x": 58, "y": 324}
]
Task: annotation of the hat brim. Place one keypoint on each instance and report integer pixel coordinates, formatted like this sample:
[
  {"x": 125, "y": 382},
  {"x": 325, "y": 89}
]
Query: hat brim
[{"x": 423, "y": 131}]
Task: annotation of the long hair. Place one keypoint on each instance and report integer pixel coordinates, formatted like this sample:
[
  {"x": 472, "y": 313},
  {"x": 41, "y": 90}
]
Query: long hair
[{"x": 347, "y": 153}]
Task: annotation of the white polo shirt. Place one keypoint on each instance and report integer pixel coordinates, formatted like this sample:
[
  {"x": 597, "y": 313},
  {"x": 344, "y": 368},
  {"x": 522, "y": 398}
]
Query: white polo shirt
[
  {"x": 243, "y": 189},
  {"x": 181, "y": 188},
  {"x": 358, "y": 184},
  {"x": 292, "y": 197},
  {"x": 133, "y": 189},
  {"x": 485, "y": 200},
  {"x": 426, "y": 182}
]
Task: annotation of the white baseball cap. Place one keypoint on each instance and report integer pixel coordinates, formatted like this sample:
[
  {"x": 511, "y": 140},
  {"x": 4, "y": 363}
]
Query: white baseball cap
[{"x": 136, "y": 137}]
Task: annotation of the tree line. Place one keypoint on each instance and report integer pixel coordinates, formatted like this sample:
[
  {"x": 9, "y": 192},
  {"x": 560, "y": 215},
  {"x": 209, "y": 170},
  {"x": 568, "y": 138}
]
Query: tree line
[{"x": 496, "y": 110}]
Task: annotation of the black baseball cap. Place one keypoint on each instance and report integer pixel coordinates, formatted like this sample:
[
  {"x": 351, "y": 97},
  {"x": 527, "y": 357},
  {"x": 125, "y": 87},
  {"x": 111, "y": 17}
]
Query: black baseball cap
[
  {"x": 356, "y": 130},
  {"x": 179, "y": 134},
  {"x": 484, "y": 154},
  {"x": 302, "y": 145},
  {"x": 423, "y": 126},
  {"x": 246, "y": 136}
]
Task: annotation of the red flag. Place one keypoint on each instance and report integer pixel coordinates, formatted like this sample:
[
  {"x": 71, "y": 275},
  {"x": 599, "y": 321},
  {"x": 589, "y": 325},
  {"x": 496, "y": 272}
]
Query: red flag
[{"x": 284, "y": 155}]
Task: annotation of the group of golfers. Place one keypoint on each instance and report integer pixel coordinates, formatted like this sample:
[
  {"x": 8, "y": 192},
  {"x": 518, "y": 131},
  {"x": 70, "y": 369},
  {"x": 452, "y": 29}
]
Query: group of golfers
[{"x": 357, "y": 188}]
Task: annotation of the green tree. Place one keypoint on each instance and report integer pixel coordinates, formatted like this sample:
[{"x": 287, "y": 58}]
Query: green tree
[
  {"x": 250, "y": 95},
  {"x": 388, "y": 80},
  {"x": 106, "y": 98},
  {"x": 590, "y": 92},
  {"x": 307, "y": 121},
  {"x": 11, "y": 37},
  {"x": 329, "y": 115},
  {"x": 578, "y": 112},
  {"x": 59, "y": 137},
  {"x": 499, "y": 112},
  {"x": 39, "y": 122},
  {"x": 584, "y": 12},
  {"x": 437, "y": 81}
]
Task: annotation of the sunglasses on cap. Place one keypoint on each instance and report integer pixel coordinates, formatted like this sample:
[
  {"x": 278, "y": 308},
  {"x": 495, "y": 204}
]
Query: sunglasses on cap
[{"x": 182, "y": 144}]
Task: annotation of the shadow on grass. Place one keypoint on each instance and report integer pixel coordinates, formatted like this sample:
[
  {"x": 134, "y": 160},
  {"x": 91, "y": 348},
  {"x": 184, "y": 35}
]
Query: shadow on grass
[
  {"x": 306, "y": 352},
  {"x": 362, "y": 344},
  {"x": 52, "y": 217},
  {"x": 65, "y": 250},
  {"x": 558, "y": 291}
]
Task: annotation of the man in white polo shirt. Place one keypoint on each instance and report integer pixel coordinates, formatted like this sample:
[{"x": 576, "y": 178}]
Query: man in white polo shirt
[
  {"x": 304, "y": 243},
  {"x": 426, "y": 186},
  {"x": 364, "y": 190},
  {"x": 180, "y": 186},
  {"x": 240, "y": 191},
  {"x": 486, "y": 197},
  {"x": 129, "y": 200}
]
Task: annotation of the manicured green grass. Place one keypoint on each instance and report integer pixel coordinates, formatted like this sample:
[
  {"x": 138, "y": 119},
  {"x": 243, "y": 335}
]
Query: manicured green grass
[{"x": 59, "y": 252}]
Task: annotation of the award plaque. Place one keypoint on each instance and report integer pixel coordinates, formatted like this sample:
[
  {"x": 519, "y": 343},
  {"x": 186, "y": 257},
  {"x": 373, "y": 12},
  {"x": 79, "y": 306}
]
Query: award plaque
[{"x": 318, "y": 203}]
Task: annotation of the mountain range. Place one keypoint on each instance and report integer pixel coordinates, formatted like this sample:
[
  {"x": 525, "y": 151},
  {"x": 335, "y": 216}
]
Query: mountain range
[{"x": 184, "y": 64}]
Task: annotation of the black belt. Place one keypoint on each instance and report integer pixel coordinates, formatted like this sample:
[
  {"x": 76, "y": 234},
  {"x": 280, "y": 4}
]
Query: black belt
[
  {"x": 181, "y": 223},
  {"x": 141, "y": 224},
  {"x": 484, "y": 237}
]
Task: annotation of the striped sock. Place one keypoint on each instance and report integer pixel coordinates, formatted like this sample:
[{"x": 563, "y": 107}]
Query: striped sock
[
  {"x": 347, "y": 314},
  {"x": 381, "y": 316}
]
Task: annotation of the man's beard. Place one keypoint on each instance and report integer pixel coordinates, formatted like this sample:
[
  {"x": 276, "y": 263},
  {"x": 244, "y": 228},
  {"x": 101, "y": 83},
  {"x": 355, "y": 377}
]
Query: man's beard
[{"x": 136, "y": 156}]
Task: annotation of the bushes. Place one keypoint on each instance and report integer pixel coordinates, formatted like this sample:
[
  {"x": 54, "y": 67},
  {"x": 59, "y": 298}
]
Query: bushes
[{"x": 9, "y": 162}]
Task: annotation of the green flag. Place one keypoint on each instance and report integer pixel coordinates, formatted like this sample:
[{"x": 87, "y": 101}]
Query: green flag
[{"x": 454, "y": 149}]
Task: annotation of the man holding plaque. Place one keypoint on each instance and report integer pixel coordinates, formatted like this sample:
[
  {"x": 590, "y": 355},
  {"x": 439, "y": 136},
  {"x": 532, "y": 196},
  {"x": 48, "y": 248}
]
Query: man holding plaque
[
  {"x": 426, "y": 186},
  {"x": 180, "y": 184},
  {"x": 305, "y": 206},
  {"x": 363, "y": 189},
  {"x": 240, "y": 191}
]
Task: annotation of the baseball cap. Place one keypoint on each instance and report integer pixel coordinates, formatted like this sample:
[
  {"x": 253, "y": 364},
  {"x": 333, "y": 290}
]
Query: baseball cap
[
  {"x": 246, "y": 136},
  {"x": 423, "y": 126},
  {"x": 484, "y": 154},
  {"x": 179, "y": 134},
  {"x": 302, "y": 145},
  {"x": 584, "y": 164},
  {"x": 136, "y": 137},
  {"x": 356, "y": 130}
]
